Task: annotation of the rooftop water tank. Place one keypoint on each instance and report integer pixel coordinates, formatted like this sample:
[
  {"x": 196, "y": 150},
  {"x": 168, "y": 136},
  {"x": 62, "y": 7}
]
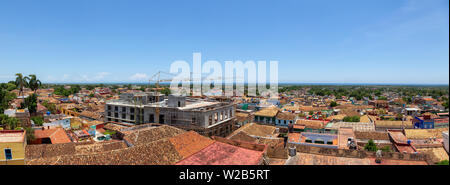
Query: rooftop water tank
[{"x": 292, "y": 151}]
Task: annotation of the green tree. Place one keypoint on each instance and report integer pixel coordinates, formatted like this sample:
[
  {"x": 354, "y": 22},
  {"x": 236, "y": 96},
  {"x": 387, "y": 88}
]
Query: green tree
[
  {"x": 333, "y": 104},
  {"x": 5, "y": 98},
  {"x": 50, "y": 107},
  {"x": 39, "y": 121},
  {"x": 351, "y": 119},
  {"x": 9, "y": 123},
  {"x": 33, "y": 82},
  {"x": 21, "y": 82},
  {"x": 371, "y": 146},
  {"x": 29, "y": 133},
  {"x": 166, "y": 91},
  {"x": 31, "y": 103}
]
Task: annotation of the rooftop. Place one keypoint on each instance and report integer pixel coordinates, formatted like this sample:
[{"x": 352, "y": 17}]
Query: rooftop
[
  {"x": 267, "y": 112},
  {"x": 12, "y": 136},
  {"x": 220, "y": 153},
  {"x": 56, "y": 135}
]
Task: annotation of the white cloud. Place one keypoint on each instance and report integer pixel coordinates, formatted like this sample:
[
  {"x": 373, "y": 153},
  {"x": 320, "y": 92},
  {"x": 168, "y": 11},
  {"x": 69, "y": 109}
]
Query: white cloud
[
  {"x": 98, "y": 77},
  {"x": 101, "y": 75},
  {"x": 139, "y": 76}
]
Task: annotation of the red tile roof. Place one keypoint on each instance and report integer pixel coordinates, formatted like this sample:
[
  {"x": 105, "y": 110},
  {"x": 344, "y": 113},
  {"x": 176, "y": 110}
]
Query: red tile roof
[
  {"x": 57, "y": 135},
  {"x": 189, "y": 143},
  {"x": 220, "y": 153}
]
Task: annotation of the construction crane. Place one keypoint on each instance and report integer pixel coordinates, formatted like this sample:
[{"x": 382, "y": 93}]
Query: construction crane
[{"x": 157, "y": 79}]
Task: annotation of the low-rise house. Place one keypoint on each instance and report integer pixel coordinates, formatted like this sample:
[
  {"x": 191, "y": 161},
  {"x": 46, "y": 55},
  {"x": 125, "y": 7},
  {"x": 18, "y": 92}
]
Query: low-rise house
[
  {"x": 12, "y": 147},
  {"x": 50, "y": 136},
  {"x": 242, "y": 119},
  {"x": 310, "y": 125},
  {"x": 266, "y": 116},
  {"x": 150, "y": 144},
  {"x": 382, "y": 125},
  {"x": 314, "y": 139},
  {"x": 424, "y": 122},
  {"x": 356, "y": 126},
  {"x": 401, "y": 143},
  {"x": 284, "y": 119}
]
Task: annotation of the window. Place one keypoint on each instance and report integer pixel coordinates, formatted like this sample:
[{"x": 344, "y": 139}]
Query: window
[
  {"x": 124, "y": 109},
  {"x": 329, "y": 142},
  {"x": 152, "y": 118},
  {"x": 132, "y": 110},
  {"x": 109, "y": 113},
  {"x": 8, "y": 154},
  {"x": 131, "y": 117},
  {"x": 124, "y": 116},
  {"x": 319, "y": 142},
  {"x": 116, "y": 108}
]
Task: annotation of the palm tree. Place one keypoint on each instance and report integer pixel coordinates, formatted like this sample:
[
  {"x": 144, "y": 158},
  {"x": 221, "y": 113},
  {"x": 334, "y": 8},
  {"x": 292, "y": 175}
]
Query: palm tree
[
  {"x": 21, "y": 82},
  {"x": 33, "y": 82}
]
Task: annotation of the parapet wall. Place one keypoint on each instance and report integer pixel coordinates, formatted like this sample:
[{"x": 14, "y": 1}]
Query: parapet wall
[{"x": 359, "y": 153}]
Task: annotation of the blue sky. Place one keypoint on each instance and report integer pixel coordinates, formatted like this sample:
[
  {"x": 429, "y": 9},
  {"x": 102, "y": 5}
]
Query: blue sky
[{"x": 323, "y": 41}]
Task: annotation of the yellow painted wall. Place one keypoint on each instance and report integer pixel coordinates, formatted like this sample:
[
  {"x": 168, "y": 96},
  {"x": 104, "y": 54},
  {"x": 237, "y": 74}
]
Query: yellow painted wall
[{"x": 18, "y": 153}]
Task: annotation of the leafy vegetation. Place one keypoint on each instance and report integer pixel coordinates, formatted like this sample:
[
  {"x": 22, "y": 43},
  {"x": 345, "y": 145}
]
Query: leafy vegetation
[
  {"x": 371, "y": 146},
  {"x": 333, "y": 104},
  {"x": 39, "y": 121},
  {"x": 50, "y": 107},
  {"x": 7, "y": 122},
  {"x": 5, "y": 97},
  {"x": 60, "y": 90},
  {"x": 444, "y": 162},
  {"x": 30, "y": 103},
  {"x": 351, "y": 119}
]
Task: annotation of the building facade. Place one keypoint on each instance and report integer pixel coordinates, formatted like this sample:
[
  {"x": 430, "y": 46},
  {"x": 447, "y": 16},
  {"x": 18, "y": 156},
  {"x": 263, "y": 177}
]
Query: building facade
[
  {"x": 208, "y": 118},
  {"x": 12, "y": 147}
]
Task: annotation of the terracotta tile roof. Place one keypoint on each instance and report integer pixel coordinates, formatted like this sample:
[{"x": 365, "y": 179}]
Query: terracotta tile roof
[
  {"x": 112, "y": 126},
  {"x": 189, "y": 143},
  {"x": 394, "y": 124},
  {"x": 337, "y": 117},
  {"x": 365, "y": 119},
  {"x": 90, "y": 114},
  {"x": 56, "y": 135},
  {"x": 160, "y": 152},
  {"x": 285, "y": 116},
  {"x": 54, "y": 150},
  {"x": 220, "y": 153},
  {"x": 424, "y": 133},
  {"x": 372, "y": 135},
  {"x": 268, "y": 112},
  {"x": 313, "y": 124},
  {"x": 259, "y": 130},
  {"x": 242, "y": 136},
  {"x": 150, "y": 134},
  {"x": 294, "y": 137},
  {"x": 436, "y": 154},
  {"x": 310, "y": 108}
]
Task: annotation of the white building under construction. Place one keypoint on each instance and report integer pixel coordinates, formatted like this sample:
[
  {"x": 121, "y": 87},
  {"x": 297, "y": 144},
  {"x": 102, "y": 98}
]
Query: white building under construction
[{"x": 209, "y": 118}]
